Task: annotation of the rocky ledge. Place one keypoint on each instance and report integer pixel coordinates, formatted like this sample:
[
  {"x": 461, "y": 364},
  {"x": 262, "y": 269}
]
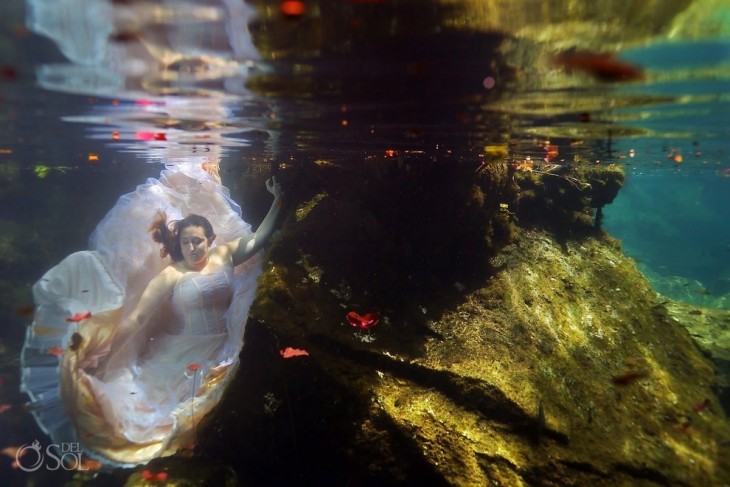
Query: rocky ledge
[{"x": 501, "y": 338}]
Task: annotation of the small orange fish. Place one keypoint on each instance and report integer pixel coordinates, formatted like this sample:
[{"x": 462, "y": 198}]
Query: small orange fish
[
  {"x": 193, "y": 367},
  {"x": 5, "y": 408},
  {"x": 55, "y": 350},
  {"x": 290, "y": 352}
]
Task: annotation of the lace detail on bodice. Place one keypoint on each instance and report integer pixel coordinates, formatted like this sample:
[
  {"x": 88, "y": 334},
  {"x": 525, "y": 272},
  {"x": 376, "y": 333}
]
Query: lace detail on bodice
[{"x": 201, "y": 300}]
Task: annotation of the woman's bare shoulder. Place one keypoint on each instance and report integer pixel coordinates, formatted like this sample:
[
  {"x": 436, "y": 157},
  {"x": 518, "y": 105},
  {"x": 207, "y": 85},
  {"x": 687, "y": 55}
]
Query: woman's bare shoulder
[{"x": 223, "y": 252}]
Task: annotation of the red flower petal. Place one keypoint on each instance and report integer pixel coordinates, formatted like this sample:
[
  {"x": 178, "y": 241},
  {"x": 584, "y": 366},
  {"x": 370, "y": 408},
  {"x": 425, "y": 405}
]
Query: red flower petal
[
  {"x": 293, "y": 8},
  {"x": 290, "y": 352},
  {"x": 79, "y": 317},
  {"x": 364, "y": 322}
]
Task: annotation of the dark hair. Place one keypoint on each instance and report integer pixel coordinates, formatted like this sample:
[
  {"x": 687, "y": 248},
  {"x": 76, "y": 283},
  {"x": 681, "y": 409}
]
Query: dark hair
[{"x": 168, "y": 234}]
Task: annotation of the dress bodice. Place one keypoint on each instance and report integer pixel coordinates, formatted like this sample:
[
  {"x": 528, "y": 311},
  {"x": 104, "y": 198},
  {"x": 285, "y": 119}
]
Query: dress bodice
[{"x": 200, "y": 301}]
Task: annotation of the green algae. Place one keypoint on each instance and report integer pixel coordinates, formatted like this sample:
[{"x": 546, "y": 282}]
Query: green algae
[
  {"x": 554, "y": 363},
  {"x": 566, "y": 198}
]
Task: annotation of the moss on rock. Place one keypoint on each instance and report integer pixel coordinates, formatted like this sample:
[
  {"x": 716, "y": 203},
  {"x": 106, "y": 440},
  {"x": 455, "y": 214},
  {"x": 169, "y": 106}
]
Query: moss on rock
[
  {"x": 567, "y": 199},
  {"x": 550, "y": 362}
]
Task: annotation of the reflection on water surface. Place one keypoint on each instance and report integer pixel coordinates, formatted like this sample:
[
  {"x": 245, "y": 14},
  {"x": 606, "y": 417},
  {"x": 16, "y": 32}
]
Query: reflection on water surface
[{"x": 340, "y": 79}]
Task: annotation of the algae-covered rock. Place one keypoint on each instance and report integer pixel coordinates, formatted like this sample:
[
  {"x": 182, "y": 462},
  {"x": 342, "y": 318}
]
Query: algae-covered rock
[
  {"x": 564, "y": 198},
  {"x": 549, "y": 362},
  {"x": 710, "y": 328}
]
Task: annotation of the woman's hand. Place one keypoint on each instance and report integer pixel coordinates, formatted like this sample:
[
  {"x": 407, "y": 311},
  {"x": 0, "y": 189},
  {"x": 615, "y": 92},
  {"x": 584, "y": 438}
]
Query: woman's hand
[{"x": 273, "y": 187}]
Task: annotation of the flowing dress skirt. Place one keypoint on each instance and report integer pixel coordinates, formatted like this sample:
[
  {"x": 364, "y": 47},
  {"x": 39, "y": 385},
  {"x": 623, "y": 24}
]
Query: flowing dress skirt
[{"x": 122, "y": 414}]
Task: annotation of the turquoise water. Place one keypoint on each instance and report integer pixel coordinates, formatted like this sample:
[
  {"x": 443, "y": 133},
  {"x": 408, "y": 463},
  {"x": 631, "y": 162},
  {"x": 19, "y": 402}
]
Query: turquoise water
[
  {"x": 672, "y": 215},
  {"x": 674, "y": 225}
]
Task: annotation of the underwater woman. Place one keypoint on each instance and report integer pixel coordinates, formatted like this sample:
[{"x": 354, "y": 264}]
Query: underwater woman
[{"x": 134, "y": 340}]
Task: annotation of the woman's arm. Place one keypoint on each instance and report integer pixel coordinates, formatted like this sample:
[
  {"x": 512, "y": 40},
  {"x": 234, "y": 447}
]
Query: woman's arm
[
  {"x": 157, "y": 291},
  {"x": 245, "y": 248},
  {"x": 123, "y": 345}
]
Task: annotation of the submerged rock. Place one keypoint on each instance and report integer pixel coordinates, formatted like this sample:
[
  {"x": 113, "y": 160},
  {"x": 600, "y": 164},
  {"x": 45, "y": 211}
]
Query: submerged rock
[
  {"x": 550, "y": 362},
  {"x": 710, "y": 328}
]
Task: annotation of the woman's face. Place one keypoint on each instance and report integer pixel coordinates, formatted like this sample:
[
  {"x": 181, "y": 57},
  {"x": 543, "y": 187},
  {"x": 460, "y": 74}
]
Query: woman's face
[{"x": 194, "y": 245}]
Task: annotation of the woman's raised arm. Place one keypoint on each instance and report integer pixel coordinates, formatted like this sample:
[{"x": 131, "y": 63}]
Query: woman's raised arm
[{"x": 245, "y": 248}]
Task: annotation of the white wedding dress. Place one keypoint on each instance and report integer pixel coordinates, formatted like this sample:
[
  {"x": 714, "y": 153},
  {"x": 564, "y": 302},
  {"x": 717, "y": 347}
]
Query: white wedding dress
[{"x": 128, "y": 405}]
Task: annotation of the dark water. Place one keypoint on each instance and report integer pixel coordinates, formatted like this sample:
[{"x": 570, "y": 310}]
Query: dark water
[{"x": 95, "y": 100}]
